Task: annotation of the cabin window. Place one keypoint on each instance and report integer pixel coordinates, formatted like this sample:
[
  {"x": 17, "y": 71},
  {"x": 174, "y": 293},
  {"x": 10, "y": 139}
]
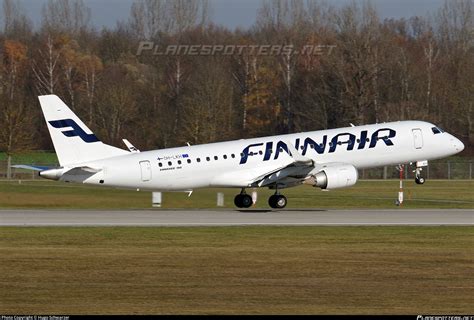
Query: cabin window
[
  {"x": 225, "y": 156},
  {"x": 216, "y": 158},
  {"x": 160, "y": 164},
  {"x": 189, "y": 160},
  {"x": 208, "y": 159},
  {"x": 170, "y": 163},
  {"x": 198, "y": 159},
  {"x": 232, "y": 155},
  {"x": 179, "y": 161}
]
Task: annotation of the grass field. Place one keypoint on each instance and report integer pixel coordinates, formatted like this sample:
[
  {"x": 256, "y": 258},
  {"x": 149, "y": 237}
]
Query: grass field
[
  {"x": 249, "y": 270},
  {"x": 366, "y": 194},
  {"x": 36, "y": 157}
]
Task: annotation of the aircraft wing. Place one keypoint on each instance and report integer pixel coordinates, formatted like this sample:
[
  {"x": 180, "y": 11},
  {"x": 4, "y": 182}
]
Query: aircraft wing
[
  {"x": 298, "y": 168},
  {"x": 295, "y": 168}
]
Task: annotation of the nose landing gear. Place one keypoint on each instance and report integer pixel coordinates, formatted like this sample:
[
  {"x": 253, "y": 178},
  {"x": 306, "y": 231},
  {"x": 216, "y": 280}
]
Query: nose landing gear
[
  {"x": 419, "y": 168},
  {"x": 419, "y": 180}
]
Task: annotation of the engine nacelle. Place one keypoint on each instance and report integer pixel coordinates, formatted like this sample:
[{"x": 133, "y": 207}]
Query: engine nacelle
[{"x": 333, "y": 177}]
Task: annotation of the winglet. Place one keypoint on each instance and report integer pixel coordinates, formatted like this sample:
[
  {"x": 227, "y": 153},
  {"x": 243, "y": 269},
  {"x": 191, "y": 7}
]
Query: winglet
[
  {"x": 297, "y": 156},
  {"x": 130, "y": 146}
]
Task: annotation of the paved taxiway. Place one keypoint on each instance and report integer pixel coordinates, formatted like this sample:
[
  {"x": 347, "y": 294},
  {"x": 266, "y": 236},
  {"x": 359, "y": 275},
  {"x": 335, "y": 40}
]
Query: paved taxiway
[{"x": 291, "y": 217}]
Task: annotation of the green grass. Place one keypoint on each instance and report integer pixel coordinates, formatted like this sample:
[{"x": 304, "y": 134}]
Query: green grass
[
  {"x": 366, "y": 194},
  {"x": 240, "y": 270},
  {"x": 37, "y": 157}
]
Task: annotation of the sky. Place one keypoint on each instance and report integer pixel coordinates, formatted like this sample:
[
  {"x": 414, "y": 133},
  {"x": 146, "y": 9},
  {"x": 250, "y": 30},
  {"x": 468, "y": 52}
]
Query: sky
[{"x": 234, "y": 13}]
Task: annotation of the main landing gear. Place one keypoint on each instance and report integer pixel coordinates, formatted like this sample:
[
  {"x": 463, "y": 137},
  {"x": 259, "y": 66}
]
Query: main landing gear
[
  {"x": 243, "y": 200},
  {"x": 276, "y": 201}
]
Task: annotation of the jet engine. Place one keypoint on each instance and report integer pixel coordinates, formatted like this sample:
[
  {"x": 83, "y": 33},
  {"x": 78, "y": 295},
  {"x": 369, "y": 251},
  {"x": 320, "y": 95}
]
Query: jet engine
[{"x": 333, "y": 176}]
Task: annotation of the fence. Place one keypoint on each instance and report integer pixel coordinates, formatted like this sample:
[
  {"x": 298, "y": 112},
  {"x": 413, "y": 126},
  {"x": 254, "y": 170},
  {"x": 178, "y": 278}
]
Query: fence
[{"x": 435, "y": 170}]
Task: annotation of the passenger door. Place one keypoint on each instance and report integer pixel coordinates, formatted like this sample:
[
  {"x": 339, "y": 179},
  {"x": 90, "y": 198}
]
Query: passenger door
[
  {"x": 145, "y": 169},
  {"x": 417, "y": 138}
]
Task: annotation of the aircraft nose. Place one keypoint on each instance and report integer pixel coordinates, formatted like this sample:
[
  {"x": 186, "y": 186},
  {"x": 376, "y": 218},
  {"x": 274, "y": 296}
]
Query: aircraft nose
[{"x": 458, "y": 145}]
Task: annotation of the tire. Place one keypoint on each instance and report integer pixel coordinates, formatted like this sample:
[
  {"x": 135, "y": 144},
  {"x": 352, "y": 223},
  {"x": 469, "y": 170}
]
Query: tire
[
  {"x": 272, "y": 201},
  {"x": 277, "y": 201},
  {"x": 420, "y": 180},
  {"x": 238, "y": 201},
  {"x": 246, "y": 201},
  {"x": 281, "y": 202}
]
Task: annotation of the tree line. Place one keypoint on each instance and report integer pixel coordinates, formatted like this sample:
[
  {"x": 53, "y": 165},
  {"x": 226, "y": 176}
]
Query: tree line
[{"x": 365, "y": 70}]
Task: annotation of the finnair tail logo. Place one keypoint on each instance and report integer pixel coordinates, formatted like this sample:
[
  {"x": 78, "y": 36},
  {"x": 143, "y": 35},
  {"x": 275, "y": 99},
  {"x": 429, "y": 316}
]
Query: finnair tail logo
[{"x": 76, "y": 131}]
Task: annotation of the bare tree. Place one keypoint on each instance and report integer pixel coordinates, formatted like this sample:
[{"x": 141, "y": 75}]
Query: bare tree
[
  {"x": 46, "y": 68},
  {"x": 90, "y": 68},
  {"x": 69, "y": 64},
  {"x": 285, "y": 22},
  {"x": 150, "y": 17},
  {"x": 356, "y": 61},
  {"x": 207, "y": 109},
  {"x": 70, "y": 16},
  {"x": 15, "y": 21},
  {"x": 455, "y": 22},
  {"x": 14, "y": 116},
  {"x": 187, "y": 14}
]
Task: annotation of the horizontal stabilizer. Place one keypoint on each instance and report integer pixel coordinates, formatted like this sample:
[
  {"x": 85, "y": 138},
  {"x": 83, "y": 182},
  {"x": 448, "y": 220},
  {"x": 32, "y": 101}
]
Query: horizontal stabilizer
[{"x": 27, "y": 167}]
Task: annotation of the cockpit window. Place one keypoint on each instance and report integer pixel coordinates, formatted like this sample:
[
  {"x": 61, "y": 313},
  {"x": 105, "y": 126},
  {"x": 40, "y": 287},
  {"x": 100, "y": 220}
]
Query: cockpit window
[{"x": 437, "y": 130}]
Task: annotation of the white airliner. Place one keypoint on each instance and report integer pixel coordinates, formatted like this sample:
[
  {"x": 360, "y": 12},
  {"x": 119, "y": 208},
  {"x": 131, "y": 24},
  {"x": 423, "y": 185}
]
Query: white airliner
[{"x": 327, "y": 159}]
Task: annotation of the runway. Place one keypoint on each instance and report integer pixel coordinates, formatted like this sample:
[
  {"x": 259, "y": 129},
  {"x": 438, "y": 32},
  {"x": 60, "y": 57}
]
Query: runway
[{"x": 182, "y": 218}]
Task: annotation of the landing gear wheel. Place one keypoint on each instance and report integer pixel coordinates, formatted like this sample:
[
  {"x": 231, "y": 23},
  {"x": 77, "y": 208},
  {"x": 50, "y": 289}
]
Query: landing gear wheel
[
  {"x": 419, "y": 180},
  {"x": 238, "y": 201},
  {"x": 243, "y": 201},
  {"x": 277, "y": 201}
]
